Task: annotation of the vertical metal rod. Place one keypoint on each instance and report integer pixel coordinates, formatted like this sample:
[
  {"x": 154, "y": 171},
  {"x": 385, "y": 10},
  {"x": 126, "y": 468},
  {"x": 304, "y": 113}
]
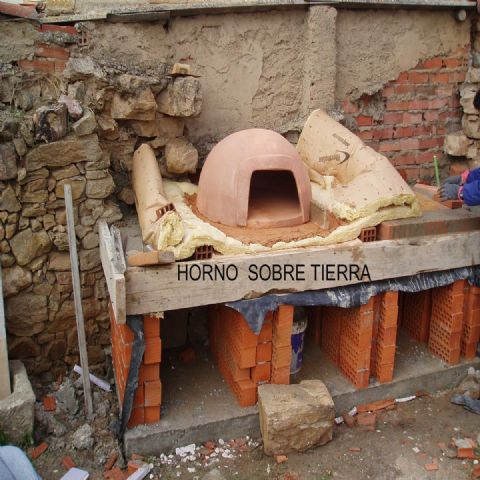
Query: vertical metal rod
[
  {"x": 4, "y": 371},
  {"x": 77, "y": 295}
]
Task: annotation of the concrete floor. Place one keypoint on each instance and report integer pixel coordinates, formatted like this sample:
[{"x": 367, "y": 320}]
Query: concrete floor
[{"x": 198, "y": 406}]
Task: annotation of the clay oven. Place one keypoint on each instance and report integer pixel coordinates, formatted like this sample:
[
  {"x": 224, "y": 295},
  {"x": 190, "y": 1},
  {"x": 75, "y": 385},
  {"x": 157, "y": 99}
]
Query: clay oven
[{"x": 254, "y": 178}]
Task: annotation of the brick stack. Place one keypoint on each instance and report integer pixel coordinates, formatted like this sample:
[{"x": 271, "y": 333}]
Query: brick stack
[
  {"x": 347, "y": 340},
  {"x": 384, "y": 336},
  {"x": 148, "y": 396},
  {"x": 471, "y": 322},
  {"x": 416, "y": 313},
  {"x": 245, "y": 360},
  {"x": 446, "y": 323}
]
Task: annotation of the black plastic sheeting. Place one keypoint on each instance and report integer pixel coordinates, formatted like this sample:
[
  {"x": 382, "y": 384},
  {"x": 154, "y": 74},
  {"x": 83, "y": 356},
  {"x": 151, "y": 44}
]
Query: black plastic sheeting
[
  {"x": 254, "y": 310},
  {"x": 135, "y": 323}
]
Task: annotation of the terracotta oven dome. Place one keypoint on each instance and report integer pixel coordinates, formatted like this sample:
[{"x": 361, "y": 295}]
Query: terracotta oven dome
[{"x": 254, "y": 178}]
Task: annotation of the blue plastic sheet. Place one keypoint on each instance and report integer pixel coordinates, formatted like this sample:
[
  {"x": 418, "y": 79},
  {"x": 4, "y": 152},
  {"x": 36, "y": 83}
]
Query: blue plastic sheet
[{"x": 254, "y": 310}]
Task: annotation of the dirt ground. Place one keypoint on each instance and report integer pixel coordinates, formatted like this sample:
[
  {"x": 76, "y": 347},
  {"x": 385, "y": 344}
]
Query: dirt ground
[{"x": 403, "y": 442}]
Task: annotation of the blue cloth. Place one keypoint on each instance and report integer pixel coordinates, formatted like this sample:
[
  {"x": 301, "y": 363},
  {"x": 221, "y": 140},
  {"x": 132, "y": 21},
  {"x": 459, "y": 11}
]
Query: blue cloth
[
  {"x": 471, "y": 188},
  {"x": 14, "y": 465}
]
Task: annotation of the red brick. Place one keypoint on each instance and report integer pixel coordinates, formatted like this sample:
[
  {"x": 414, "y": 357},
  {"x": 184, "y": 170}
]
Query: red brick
[
  {"x": 389, "y": 147},
  {"x": 281, "y": 356},
  {"x": 44, "y": 50},
  {"x": 405, "y": 89},
  {"x": 153, "y": 351},
  {"x": 409, "y": 144},
  {"x": 265, "y": 334},
  {"x": 431, "y": 116},
  {"x": 364, "y": 121},
  {"x": 49, "y": 403},
  {"x": 457, "y": 77},
  {"x": 401, "y": 132},
  {"x": 402, "y": 78},
  {"x": 68, "y": 462},
  {"x": 452, "y": 62},
  {"x": 376, "y": 406},
  {"x": 151, "y": 372},
  {"x": 151, "y": 326},
  {"x": 398, "y": 105},
  {"x": 431, "y": 63},
  {"x": 383, "y": 133},
  {"x": 388, "y": 92},
  {"x": 392, "y": 118},
  {"x": 439, "y": 77},
  {"x": 246, "y": 393},
  {"x": 39, "y": 450},
  {"x": 365, "y": 134},
  {"x": 264, "y": 352},
  {"x": 416, "y": 77},
  {"x": 281, "y": 376},
  {"x": 59, "y": 28},
  {"x": 261, "y": 372},
  {"x": 139, "y": 397},
  {"x": 137, "y": 417},
  {"x": 45, "y": 66},
  {"x": 412, "y": 118},
  {"x": 152, "y": 414}
]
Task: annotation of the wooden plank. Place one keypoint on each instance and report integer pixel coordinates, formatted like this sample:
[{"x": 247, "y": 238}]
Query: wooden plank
[
  {"x": 115, "y": 280},
  {"x": 435, "y": 222},
  {"x": 160, "y": 289},
  {"x": 77, "y": 297},
  {"x": 154, "y": 257},
  {"x": 5, "y": 388}
]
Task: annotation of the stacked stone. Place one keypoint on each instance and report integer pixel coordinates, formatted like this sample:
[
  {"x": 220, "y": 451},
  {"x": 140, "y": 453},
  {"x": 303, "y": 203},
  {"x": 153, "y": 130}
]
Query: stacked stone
[
  {"x": 85, "y": 137},
  {"x": 464, "y": 145}
]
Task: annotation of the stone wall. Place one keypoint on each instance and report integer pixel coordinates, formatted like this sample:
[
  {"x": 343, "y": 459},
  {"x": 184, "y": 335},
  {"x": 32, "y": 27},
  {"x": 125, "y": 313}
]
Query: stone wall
[
  {"x": 76, "y": 101},
  {"x": 67, "y": 119}
]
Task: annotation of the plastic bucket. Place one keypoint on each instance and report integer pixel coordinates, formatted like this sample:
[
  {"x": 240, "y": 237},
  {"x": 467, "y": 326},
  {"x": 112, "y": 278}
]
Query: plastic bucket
[{"x": 298, "y": 336}]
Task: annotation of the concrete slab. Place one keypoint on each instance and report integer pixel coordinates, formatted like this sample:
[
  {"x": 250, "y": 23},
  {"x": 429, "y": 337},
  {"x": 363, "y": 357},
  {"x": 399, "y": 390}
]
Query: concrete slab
[{"x": 198, "y": 405}]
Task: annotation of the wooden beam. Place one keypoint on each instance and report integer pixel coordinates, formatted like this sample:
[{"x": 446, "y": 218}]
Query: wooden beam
[
  {"x": 77, "y": 296},
  {"x": 5, "y": 388},
  {"x": 115, "y": 279},
  {"x": 158, "y": 289}
]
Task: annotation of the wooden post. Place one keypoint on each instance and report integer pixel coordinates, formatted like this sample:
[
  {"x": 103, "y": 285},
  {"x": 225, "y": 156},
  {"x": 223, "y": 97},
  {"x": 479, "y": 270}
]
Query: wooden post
[
  {"x": 4, "y": 372},
  {"x": 77, "y": 295}
]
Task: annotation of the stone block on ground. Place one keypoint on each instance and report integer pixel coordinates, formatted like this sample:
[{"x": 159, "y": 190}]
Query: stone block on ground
[
  {"x": 457, "y": 144},
  {"x": 294, "y": 418},
  {"x": 182, "y": 98},
  {"x": 17, "y": 410},
  {"x": 181, "y": 156}
]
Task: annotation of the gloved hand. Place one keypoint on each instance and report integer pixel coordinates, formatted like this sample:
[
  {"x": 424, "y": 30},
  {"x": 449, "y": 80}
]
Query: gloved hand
[
  {"x": 449, "y": 191},
  {"x": 455, "y": 180}
]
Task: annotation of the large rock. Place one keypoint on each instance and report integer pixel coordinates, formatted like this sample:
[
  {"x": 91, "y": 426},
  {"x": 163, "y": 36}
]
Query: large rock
[
  {"x": 89, "y": 259},
  {"x": 86, "y": 125},
  {"x": 72, "y": 149},
  {"x": 9, "y": 201},
  {"x": 26, "y": 313},
  {"x": 467, "y": 94},
  {"x": 182, "y": 98},
  {"x": 162, "y": 127},
  {"x": 26, "y": 245},
  {"x": 294, "y": 418},
  {"x": 181, "y": 156},
  {"x": 141, "y": 106},
  {"x": 50, "y": 122},
  {"x": 59, "y": 262},
  {"x": 471, "y": 126},
  {"x": 17, "y": 410},
  {"x": 8, "y": 161},
  {"x": 77, "y": 184},
  {"x": 101, "y": 187},
  {"x": 15, "y": 279},
  {"x": 23, "y": 347},
  {"x": 457, "y": 144}
]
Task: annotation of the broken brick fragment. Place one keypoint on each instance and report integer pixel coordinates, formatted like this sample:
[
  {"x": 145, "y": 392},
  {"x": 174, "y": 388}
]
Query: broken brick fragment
[
  {"x": 431, "y": 467},
  {"x": 49, "y": 403},
  {"x": 188, "y": 355},
  {"x": 39, "y": 450},
  {"x": 368, "y": 420},
  {"x": 111, "y": 461},
  {"x": 349, "y": 420},
  {"x": 115, "y": 474},
  {"x": 68, "y": 462},
  {"x": 281, "y": 458},
  {"x": 355, "y": 449},
  {"x": 375, "y": 406}
]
